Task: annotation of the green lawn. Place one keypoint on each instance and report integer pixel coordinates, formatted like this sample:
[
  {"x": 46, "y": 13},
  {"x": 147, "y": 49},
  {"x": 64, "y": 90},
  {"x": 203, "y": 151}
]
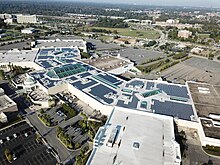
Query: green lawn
[
  {"x": 202, "y": 36},
  {"x": 106, "y": 38},
  {"x": 150, "y": 34}
]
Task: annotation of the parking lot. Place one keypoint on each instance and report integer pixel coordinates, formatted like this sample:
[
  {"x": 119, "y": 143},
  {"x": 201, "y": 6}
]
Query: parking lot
[
  {"x": 138, "y": 55},
  {"x": 69, "y": 126},
  {"x": 76, "y": 134},
  {"x": 20, "y": 139},
  {"x": 56, "y": 117},
  {"x": 194, "y": 69}
]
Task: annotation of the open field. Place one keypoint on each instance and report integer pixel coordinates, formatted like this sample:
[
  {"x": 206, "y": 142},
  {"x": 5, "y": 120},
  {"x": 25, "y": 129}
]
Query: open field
[
  {"x": 149, "y": 34},
  {"x": 194, "y": 69}
]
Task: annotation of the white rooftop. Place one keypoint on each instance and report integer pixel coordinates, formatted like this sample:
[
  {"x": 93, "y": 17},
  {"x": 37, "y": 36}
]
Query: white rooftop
[
  {"x": 60, "y": 43},
  {"x": 6, "y": 102},
  {"x": 16, "y": 55},
  {"x": 153, "y": 133}
]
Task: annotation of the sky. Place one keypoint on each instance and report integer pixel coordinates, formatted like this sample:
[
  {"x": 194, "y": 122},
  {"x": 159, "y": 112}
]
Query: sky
[{"x": 196, "y": 3}]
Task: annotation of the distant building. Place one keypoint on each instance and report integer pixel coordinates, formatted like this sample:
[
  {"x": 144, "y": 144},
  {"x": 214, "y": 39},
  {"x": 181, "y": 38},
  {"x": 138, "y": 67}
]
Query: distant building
[
  {"x": 114, "y": 65},
  {"x": 146, "y": 22},
  {"x": 132, "y": 20},
  {"x": 28, "y": 31},
  {"x": 184, "y": 34},
  {"x": 134, "y": 137},
  {"x": 3, "y": 35},
  {"x": 172, "y": 21},
  {"x": 6, "y": 16},
  {"x": 26, "y": 19},
  {"x": 81, "y": 44},
  {"x": 10, "y": 20},
  {"x": 197, "y": 50}
]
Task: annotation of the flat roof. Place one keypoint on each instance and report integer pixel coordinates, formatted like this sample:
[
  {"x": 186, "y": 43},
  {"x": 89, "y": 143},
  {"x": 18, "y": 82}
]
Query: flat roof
[
  {"x": 107, "y": 63},
  {"x": 155, "y": 146},
  {"x": 6, "y": 102},
  {"x": 61, "y": 66},
  {"x": 111, "y": 90},
  {"x": 60, "y": 43},
  {"x": 206, "y": 99},
  {"x": 16, "y": 55}
]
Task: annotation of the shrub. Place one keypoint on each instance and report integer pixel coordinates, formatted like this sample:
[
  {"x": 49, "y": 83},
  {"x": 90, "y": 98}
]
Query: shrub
[
  {"x": 77, "y": 145},
  {"x": 8, "y": 155}
]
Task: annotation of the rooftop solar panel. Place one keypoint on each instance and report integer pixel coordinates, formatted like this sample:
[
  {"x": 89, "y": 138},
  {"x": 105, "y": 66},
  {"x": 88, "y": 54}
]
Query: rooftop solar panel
[
  {"x": 45, "y": 64},
  {"x": 150, "y": 85},
  {"x": 44, "y": 57},
  {"x": 136, "y": 83},
  {"x": 68, "y": 70},
  {"x": 85, "y": 74},
  {"x": 182, "y": 111},
  {"x": 81, "y": 86},
  {"x": 174, "y": 90},
  {"x": 108, "y": 78},
  {"x": 132, "y": 104},
  {"x": 100, "y": 91}
]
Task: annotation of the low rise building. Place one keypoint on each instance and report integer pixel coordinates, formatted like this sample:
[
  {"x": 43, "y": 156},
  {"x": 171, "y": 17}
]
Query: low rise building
[
  {"x": 207, "y": 104},
  {"x": 197, "y": 50},
  {"x": 114, "y": 65},
  {"x": 184, "y": 34},
  {"x": 134, "y": 137},
  {"x": 10, "y": 21},
  {"x": 6, "y": 16},
  {"x": 7, "y": 104},
  {"x": 146, "y": 22},
  {"x": 23, "y": 19},
  {"x": 3, "y": 35},
  {"x": 3, "y": 117},
  {"x": 79, "y": 43},
  {"x": 172, "y": 21},
  {"x": 28, "y": 31}
]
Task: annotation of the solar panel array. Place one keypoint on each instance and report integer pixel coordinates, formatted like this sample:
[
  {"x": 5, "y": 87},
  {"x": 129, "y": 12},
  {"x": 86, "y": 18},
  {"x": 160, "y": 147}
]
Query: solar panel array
[
  {"x": 149, "y": 85},
  {"x": 81, "y": 86},
  {"x": 133, "y": 104},
  {"x": 100, "y": 91},
  {"x": 136, "y": 83},
  {"x": 174, "y": 90},
  {"x": 108, "y": 78},
  {"x": 68, "y": 70},
  {"x": 182, "y": 111},
  {"x": 105, "y": 81}
]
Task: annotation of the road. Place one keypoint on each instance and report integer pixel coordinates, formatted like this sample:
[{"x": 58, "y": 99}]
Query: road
[
  {"x": 50, "y": 135},
  {"x": 194, "y": 153}
]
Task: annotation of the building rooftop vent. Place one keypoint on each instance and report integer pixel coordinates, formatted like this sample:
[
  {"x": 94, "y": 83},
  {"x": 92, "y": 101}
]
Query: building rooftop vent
[{"x": 136, "y": 145}]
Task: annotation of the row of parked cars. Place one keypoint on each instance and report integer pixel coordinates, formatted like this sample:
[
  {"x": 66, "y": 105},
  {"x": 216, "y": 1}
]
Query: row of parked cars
[{"x": 26, "y": 133}]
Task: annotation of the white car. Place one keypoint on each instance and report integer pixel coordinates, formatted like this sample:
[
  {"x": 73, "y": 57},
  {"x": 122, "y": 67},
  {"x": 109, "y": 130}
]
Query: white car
[
  {"x": 8, "y": 138},
  {"x": 15, "y": 135},
  {"x": 26, "y": 134},
  {"x": 14, "y": 157},
  {"x": 1, "y": 141}
]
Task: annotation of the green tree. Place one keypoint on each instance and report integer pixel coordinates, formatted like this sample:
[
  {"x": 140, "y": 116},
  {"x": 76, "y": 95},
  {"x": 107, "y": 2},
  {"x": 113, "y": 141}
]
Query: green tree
[
  {"x": 8, "y": 155},
  {"x": 2, "y": 74}
]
